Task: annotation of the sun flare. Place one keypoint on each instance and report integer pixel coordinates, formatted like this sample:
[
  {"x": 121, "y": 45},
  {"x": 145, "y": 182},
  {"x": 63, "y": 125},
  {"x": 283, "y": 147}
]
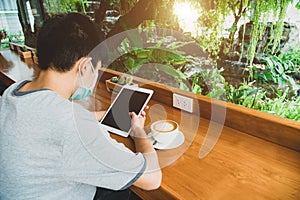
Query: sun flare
[{"x": 187, "y": 16}]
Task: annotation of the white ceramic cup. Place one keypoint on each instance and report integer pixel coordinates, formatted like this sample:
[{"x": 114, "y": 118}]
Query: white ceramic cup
[{"x": 164, "y": 131}]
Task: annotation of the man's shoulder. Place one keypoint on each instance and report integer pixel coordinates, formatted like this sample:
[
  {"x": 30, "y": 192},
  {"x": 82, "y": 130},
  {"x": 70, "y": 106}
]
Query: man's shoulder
[{"x": 40, "y": 103}]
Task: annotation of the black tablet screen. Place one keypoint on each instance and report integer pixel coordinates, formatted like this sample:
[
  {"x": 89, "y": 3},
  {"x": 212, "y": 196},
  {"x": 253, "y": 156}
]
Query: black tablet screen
[{"x": 127, "y": 101}]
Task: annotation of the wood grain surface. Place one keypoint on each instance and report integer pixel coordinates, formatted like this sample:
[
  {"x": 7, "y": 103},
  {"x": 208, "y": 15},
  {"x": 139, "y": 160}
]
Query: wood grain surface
[
  {"x": 256, "y": 157},
  {"x": 240, "y": 166}
]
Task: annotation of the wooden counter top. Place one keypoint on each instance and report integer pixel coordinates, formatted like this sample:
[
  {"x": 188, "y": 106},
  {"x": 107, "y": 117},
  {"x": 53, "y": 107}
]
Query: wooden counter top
[
  {"x": 13, "y": 69},
  {"x": 240, "y": 166}
]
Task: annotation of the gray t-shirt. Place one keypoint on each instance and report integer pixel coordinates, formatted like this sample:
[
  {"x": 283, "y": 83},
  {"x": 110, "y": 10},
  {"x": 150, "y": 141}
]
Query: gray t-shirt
[{"x": 51, "y": 148}]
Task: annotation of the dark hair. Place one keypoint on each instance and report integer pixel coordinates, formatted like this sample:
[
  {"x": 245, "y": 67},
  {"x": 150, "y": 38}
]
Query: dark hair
[{"x": 64, "y": 39}]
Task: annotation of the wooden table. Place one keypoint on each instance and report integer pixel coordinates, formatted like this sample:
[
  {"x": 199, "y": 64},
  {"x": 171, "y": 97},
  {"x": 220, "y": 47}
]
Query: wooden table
[
  {"x": 240, "y": 166},
  {"x": 13, "y": 69}
]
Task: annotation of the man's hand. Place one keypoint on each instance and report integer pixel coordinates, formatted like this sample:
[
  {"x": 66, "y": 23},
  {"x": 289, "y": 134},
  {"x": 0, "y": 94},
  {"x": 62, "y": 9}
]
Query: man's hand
[
  {"x": 137, "y": 123},
  {"x": 99, "y": 115}
]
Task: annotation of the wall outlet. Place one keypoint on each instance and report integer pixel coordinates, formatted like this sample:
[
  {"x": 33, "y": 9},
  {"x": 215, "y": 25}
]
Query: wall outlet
[{"x": 183, "y": 103}]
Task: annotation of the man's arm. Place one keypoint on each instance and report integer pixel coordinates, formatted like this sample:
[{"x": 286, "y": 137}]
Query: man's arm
[
  {"x": 99, "y": 115},
  {"x": 152, "y": 176}
]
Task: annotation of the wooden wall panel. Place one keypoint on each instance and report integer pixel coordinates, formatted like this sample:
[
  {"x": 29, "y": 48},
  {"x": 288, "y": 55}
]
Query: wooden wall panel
[{"x": 272, "y": 128}]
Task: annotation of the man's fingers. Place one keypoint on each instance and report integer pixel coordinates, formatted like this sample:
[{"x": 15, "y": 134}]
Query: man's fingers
[
  {"x": 143, "y": 113},
  {"x": 132, "y": 114}
]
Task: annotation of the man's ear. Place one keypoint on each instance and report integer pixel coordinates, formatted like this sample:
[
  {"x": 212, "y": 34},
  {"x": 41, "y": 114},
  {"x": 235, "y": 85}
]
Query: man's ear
[{"x": 80, "y": 65}]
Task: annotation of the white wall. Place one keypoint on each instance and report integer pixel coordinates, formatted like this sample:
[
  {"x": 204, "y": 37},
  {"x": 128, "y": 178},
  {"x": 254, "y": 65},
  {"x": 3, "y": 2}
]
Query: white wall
[{"x": 9, "y": 20}]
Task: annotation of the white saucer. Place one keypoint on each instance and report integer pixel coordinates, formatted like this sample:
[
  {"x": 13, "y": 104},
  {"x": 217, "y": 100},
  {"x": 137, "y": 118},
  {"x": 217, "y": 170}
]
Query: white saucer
[{"x": 175, "y": 143}]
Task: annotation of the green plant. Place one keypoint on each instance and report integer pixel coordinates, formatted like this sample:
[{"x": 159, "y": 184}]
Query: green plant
[
  {"x": 209, "y": 82},
  {"x": 276, "y": 71},
  {"x": 211, "y": 26},
  {"x": 238, "y": 9},
  {"x": 293, "y": 56},
  {"x": 284, "y": 107},
  {"x": 298, "y": 5},
  {"x": 162, "y": 62},
  {"x": 4, "y": 45},
  {"x": 55, "y": 7},
  {"x": 122, "y": 80},
  {"x": 129, "y": 80},
  {"x": 4, "y": 41},
  {"x": 254, "y": 97},
  {"x": 212, "y": 18},
  {"x": 114, "y": 79},
  {"x": 279, "y": 70},
  {"x": 268, "y": 89},
  {"x": 16, "y": 38},
  {"x": 246, "y": 95},
  {"x": 262, "y": 9}
]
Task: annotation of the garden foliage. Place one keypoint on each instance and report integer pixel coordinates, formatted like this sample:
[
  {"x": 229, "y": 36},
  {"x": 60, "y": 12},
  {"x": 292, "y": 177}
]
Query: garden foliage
[{"x": 272, "y": 86}]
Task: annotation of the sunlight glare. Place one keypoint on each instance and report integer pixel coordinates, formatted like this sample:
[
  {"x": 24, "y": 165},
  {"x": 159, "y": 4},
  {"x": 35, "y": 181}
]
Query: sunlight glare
[{"x": 187, "y": 16}]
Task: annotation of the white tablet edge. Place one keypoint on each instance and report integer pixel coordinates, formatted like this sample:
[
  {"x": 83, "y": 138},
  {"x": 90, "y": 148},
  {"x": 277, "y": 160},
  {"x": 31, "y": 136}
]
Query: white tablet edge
[{"x": 134, "y": 88}]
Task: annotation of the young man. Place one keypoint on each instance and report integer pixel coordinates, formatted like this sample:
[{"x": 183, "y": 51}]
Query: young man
[{"x": 52, "y": 148}]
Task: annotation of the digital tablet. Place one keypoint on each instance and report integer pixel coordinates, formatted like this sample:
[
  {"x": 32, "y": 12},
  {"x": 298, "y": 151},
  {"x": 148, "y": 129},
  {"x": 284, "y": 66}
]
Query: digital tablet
[{"x": 130, "y": 99}]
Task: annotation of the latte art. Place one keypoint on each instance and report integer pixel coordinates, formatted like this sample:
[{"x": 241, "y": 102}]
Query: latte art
[
  {"x": 164, "y": 131},
  {"x": 165, "y": 126}
]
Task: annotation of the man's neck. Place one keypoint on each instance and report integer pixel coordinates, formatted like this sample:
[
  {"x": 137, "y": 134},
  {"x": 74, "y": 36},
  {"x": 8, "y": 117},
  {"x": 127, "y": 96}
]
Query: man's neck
[{"x": 61, "y": 83}]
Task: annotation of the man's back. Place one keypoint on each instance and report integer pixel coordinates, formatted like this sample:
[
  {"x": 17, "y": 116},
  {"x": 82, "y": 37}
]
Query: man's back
[
  {"x": 32, "y": 130},
  {"x": 48, "y": 152}
]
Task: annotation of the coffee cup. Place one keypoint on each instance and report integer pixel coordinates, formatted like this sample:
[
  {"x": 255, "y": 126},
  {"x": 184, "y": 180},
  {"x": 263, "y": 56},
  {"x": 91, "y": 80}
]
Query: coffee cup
[{"x": 164, "y": 131}]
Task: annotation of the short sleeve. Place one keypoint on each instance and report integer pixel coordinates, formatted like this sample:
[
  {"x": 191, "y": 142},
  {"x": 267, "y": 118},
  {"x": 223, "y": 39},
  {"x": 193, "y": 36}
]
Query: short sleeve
[{"x": 90, "y": 156}]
